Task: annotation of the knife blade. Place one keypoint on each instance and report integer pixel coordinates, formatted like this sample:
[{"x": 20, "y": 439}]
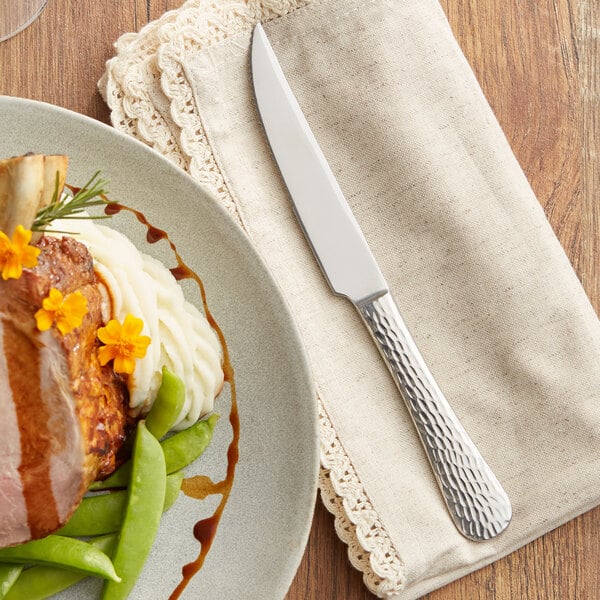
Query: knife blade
[{"x": 476, "y": 501}]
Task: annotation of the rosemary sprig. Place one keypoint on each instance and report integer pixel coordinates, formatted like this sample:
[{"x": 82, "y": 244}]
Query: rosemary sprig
[{"x": 69, "y": 207}]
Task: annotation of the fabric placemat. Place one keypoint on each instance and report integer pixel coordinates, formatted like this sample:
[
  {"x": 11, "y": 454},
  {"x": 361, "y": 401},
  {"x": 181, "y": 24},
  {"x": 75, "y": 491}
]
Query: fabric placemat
[{"x": 483, "y": 284}]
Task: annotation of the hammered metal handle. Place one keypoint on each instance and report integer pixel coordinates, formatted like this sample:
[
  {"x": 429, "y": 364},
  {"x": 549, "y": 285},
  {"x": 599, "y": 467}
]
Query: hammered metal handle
[{"x": 475, "y": 499}]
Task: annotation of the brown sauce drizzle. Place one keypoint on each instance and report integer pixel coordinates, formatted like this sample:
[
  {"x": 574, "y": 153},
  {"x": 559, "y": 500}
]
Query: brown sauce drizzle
[
  {"x": 201, "y": 486},
  {"x": 198, "y": 487}
]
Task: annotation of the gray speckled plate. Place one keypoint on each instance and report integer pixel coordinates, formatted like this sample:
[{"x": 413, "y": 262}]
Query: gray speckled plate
[{"x": 265, "y": 525}]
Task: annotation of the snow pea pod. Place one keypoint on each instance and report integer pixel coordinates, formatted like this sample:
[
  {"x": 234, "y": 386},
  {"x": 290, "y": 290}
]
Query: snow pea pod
[
  {"x": 103, "y": 513},
  {"x": 8, "y": 575},
  {"x": 40, "y": 582},
  {"x": 142, "y": 515},
  {"x": 97, "y": 515},
  {"x": 181, "y": 449},
  {"x": 167, "y": 405},
  {"x": 118, "y": 479},
  {"x": 174, "y": 481},
  {"x": 185, "y": 447},
  {"x": 64, "y": 552}
]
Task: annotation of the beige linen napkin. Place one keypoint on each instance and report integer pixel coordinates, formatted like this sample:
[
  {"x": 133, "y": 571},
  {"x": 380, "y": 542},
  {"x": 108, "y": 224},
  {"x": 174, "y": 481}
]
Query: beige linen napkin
[{"x": 480, "y": 279}]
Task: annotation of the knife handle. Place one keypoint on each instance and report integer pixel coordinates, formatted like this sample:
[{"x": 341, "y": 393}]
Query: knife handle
[{"x": 475, "y": 499}]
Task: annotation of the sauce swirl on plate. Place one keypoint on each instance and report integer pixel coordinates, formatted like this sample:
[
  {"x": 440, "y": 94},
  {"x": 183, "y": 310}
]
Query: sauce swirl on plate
[{"x": 198, "y": 487}]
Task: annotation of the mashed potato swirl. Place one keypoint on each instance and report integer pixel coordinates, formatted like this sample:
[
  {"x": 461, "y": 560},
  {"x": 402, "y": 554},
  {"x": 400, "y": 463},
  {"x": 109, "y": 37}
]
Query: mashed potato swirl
[{"x": 182, "y": 338}]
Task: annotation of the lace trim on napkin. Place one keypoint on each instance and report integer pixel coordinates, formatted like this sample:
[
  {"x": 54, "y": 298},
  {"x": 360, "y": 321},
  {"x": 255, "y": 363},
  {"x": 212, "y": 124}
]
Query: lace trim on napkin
[
  {"x": 127, "y": 84},
  {"x": 149, "y": 98},
  {"x": 356, "y": 521}
]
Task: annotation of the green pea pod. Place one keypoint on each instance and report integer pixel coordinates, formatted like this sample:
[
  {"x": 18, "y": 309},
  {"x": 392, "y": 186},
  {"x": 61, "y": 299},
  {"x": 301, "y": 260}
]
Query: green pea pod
[
  {"x": 103, "y": 513},
  {"x": 142, "y": 515},
  {"x": 174, "y": 481},
  {"x": 40, "y": 582},
  {"x": 8, "y": 576},
  {"x": 167, "y": 405},
  {"x": 118, "y": 479},
  {"x": 97, "y": 515},
  {"x": 181, "y": 449},
  {"x": 64, "y": 552},
  {"x": 185, "y": 447}
]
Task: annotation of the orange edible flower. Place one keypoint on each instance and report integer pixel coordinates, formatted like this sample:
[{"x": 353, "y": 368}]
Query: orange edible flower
[
  {"x": 65, "y": 312},
  {"x": 17, "y": 253},
  {"x": 123, "y": 344}
]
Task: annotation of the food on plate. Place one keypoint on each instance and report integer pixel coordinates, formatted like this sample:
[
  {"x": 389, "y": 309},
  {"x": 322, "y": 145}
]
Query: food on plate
[
  {"x": 182, "y": 339},
  {"x": 87, "y": 325},
  {"x": 141, "y": 519},
  {"x": 63, "y": 414}
]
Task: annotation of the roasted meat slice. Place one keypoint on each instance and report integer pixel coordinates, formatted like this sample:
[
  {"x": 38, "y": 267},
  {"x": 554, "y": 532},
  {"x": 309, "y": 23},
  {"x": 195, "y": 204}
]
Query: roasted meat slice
[{"x": 63, "y": 415}]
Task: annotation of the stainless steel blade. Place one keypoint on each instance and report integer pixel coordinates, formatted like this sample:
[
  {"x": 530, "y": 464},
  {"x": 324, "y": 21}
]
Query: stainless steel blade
[
  {"x": 476, "y": 501},
  {"x": 330, "y": 226}
]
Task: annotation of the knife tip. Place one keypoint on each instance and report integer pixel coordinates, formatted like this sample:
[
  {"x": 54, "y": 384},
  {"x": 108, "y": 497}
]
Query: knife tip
[{"x": 259, "y": 42}]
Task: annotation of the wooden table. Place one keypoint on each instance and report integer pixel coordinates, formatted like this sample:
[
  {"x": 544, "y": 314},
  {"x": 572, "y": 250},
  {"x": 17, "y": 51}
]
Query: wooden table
[{"x": 538, "y": 62}]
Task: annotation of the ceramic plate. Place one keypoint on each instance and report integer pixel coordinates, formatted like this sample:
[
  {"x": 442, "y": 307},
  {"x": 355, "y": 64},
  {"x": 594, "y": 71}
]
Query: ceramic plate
[{"x": 265, "y": 525}]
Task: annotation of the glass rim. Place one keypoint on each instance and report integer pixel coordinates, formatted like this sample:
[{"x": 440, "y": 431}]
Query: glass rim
[{"x": 26, "y": 23}]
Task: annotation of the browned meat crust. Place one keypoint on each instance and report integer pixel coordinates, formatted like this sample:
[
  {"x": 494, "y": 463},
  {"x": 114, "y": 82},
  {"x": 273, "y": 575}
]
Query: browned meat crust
[{"x": 101, "y": 395}]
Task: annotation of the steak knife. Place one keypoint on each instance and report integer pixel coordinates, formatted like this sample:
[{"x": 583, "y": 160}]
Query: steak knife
[{"x": 476, "y": 502}]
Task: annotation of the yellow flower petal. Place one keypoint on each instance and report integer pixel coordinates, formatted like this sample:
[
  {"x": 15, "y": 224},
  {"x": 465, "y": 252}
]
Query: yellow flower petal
[
  {"x": 76, "y": 306},
  {"x": 124, "y": 363},
  {"x": 21, "y": 236},
  {"x": 66, "y": 324},
  {"x": 66, "y": 312},
  {"x": 140, "y": 345},
  {"x": 29, "y": 256},
  {"x": 123, "y": 344},
  {"x": 17, "y": 253},
  {"x": 111, "y": 333},
  {"x": 106, "y": 354},
  {"x": 44, "y": 319},
  {"x": 54, "y": 299},
  {"x": 132, "y": 326},
  {"x": 12, "y": 268}
]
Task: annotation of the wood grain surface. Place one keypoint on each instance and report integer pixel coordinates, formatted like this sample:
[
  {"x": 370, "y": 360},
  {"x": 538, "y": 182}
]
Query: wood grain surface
[{"x": 538, "y": 63}]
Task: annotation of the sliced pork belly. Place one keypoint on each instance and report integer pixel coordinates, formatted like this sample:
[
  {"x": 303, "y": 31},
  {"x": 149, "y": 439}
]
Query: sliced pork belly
[{"x": 63, "y": 416}]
